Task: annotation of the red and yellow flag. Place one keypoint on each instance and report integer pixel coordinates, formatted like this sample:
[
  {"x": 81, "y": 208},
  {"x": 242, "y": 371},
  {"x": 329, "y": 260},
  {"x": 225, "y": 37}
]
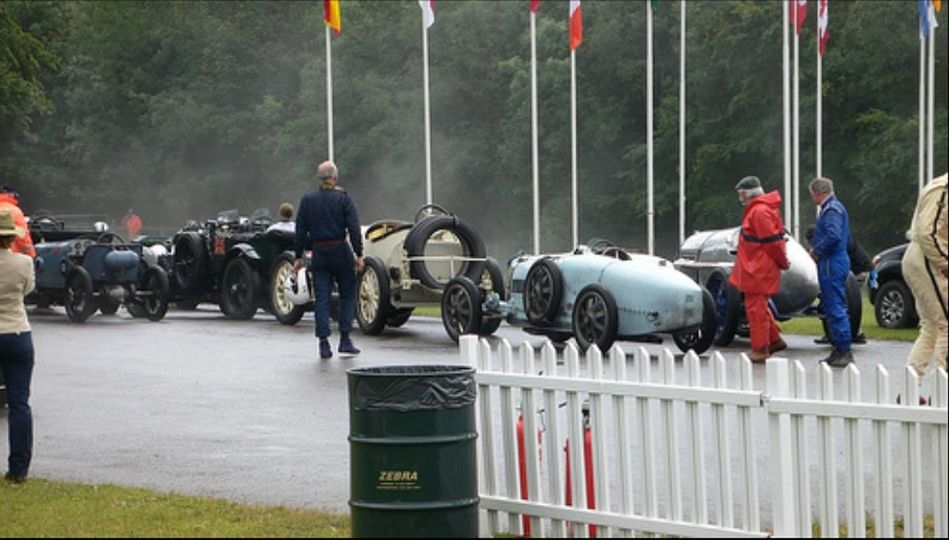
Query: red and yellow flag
[
  {"x": 331, "y": 15},
  {"x": 576, "y": 24}
]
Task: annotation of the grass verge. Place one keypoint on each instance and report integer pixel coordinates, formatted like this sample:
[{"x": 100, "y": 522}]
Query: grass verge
[
  {"x": 812, "y": 326},
  {"x": 44, "y": 508}
]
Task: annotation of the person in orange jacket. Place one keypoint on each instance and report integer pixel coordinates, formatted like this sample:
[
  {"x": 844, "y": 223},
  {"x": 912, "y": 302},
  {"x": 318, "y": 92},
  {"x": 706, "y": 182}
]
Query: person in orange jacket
[
  {"x": 132, "y": 224},
  {"x": 762, "y": 254},
  {"x": 10, "y": 200}
]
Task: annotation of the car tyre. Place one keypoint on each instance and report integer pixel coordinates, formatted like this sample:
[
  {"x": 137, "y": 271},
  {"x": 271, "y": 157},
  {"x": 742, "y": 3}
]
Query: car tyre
[
  {"x": 373, "y": 306},
  {"x": 595, "y": 318},
  {"x": 108, "y": 306},
  {"x": 190, "y": 262},
  {"x": 494, "y": 275},
  {"x": 240, "y": 290},
  {"x": 543, "y": 292},
  {"x": 727, "y": 306},
  {"x": 155, "y": 291},
  {"x": 700, "y": 340},
  {"x": 400, "y": 317},
  {"x": 895, "y": 306},
  {"x": 285, "y": 311},
  {"x": 471, "y": 242},
  {"x": 79, "y": 299},
  {"x": 461, "y": 308},
  {"x": 854, "y": 307}
]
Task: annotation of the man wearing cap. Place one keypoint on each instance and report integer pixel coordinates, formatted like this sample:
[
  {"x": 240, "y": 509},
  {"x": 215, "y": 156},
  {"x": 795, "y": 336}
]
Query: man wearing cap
[
  {"x": 10, "y": 200},
  {"x": 324, "y": 217},
  {"x": 762, "y": 254},
  {"x": 829, "y": 250}
]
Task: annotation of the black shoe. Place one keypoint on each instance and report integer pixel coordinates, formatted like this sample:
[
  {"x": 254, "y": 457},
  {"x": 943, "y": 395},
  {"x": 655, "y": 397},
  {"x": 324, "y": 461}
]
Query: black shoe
[
  {"x": 14, "y": 478},
  {"x": 346, "y": 346},
  {"x": 839, "y": 359},
  {"x": 326, "y": 350},
  {"x": 823, "y": 340},
  {"x": 860, "y": 339}
]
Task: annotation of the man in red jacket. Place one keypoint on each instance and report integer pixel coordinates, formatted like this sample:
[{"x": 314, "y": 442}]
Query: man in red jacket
[
  {"x": 762, "y": 254},
  {"x": 10, "y": 200}
]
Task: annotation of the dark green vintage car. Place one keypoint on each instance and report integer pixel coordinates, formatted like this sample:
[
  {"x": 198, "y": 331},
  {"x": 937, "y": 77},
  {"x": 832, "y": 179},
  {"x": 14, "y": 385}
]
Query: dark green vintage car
[{"x": 236, "y": 262}]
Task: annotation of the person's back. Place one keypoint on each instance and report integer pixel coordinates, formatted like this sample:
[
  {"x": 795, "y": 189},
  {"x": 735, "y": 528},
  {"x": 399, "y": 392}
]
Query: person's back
[{"x": 285, "y": 221}]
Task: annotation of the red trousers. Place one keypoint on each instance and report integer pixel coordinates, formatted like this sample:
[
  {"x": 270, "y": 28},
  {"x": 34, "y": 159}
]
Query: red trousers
[{"x": 764, "y": 330}]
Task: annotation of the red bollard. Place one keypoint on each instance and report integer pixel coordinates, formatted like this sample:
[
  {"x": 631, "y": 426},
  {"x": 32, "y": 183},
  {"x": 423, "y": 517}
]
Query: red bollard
[
  {"x": 588, "y": 470},
  {"x": 522, "y": 470}
]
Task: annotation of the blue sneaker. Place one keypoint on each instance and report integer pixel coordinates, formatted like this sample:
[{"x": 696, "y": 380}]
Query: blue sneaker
[
  {"x": 326, "y": 350},
  {"x": 346, "y": 345}
]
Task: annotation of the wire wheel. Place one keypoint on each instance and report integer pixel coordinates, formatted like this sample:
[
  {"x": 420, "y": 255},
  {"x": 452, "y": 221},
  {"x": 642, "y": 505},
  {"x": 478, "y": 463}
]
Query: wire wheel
[
  {"x": 280, "y": 305},
  {"x": 373, "y": 307},
  {"x": 461, "y": 307},
  {"x": 543, "y": 290},
  {"x": 595, "y": 318}
]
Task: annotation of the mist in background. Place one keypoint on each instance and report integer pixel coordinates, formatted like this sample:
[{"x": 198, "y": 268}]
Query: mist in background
[{"x": 183, "y": 109}]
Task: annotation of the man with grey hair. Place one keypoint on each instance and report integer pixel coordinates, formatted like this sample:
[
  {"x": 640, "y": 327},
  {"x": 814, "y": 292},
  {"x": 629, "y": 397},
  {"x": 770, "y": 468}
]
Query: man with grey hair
[
  {"x": 324, "y": 217},
  {"x": 762, "y": 254},
  {"x": 829, "y": 250}
]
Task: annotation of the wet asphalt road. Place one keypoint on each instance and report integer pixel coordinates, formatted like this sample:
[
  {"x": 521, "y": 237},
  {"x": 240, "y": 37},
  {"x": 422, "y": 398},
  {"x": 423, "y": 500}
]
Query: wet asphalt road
[{"x": 242, "y": 410}]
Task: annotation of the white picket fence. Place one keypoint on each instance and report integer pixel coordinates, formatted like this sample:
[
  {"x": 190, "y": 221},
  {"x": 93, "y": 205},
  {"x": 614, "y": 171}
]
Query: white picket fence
[{"x": 639, "y": 484}]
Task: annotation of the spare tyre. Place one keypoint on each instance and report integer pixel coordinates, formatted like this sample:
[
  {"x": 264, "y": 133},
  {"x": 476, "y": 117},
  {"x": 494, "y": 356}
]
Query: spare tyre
[
  {"x": 190, "y": 262},
  {"x": 471, "y": 244}
]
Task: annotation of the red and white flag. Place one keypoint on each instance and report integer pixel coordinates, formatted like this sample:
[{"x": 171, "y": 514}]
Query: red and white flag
[
  {"x": 822, "y": 26},
  {"x": 428, "y": 12},
  {"x": 798, "y": 7},
  {"x": 535, "y": 5},
  {"x": 576, "y": 24}
]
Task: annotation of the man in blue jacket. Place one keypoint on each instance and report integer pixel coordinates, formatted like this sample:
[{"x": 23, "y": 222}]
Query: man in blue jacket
[
  {"x": 324, "y": 217},
  {"x": 829, "y": 250}
]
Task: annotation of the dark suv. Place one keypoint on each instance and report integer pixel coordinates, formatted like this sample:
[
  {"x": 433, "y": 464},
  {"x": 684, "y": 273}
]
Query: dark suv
[{"x": 892, "y": 299}]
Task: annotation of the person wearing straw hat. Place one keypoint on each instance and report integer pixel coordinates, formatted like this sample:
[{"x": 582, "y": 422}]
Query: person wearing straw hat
[{"x": 16, "y": 346}]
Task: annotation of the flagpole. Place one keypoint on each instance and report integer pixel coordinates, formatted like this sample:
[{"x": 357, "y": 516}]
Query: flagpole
[
  {"x": 922, "y": 111},
  {"x": 428, "y": 121},
  {"x": 787, "y": 112},
  {"x": 649, "y": 90},
  {"x": 929, "y": 118},
  {"x": 819, "y": 96},
  {"x": 329, "y": 93},
  {"x": 573, "y": 142},
  {"x": 535, "y": 163},
  {"x": 682, "y": 123},
  {"x": 796, "y": 123}
]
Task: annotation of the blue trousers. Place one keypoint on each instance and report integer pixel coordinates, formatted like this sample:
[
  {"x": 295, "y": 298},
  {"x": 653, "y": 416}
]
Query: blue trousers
[
  {"x": 336, "y": 263},
  {"x": 16, "y": 361},
  {"x": 832, "y": 275}
]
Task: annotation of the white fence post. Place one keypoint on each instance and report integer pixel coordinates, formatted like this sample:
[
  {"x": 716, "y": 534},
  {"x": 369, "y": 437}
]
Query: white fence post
[
  {"x": 856, "y": 512},
  {"x": 941, "y": 459},
  {"x": 752, "y": 519},
  {"x": 621, "y": 427},
  {"x": 912, "y": 475},
  {"x": 531, "y": 450},
  {"x": 645, "y": 435},
  {"x": 829, "y": 525},
  {"x": 509, "y": 434},
  {"x": 598, "y": 431},
  {"x": 802, "y": 484},
  {"x": 673, "y": 481},
  {"x": 883, "y": 486},
  {"x": 482, "y": 352},
  {"x": 552, "y": 441},
  {"x": 782, "y": 467}
]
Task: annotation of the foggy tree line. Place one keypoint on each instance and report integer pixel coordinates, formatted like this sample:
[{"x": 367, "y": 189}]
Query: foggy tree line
[{"x": 182, "y": 109}]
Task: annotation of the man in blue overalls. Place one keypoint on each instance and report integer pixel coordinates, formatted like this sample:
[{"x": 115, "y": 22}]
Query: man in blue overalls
[
  {"x": 324, "y": 217},
  {"x": 829, "y": 250}
]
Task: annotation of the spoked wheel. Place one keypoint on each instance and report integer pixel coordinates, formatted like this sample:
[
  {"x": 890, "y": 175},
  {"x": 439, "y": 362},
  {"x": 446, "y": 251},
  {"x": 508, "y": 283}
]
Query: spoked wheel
[
  {"x": 543, "y": 291},
  {"x": 282, "y": 308},
  {"x": 727, "y": 307},
  {"x": 79, "y": 299},
  {"x": 700, "y": 340},
  {"x": 153, "y": 292},
  {"x": 595, "y": 318},
  {"x": 240, "y": 288},
  {"x": 373, "y": 307},
  {"x": 461, "y": 308}
]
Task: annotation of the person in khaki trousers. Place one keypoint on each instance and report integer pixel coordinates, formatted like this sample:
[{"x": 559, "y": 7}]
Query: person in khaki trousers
[{"x": 926, "y": 270}]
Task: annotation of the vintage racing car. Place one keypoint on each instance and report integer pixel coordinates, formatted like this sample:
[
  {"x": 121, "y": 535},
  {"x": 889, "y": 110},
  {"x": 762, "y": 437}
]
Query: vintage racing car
[
  {"x": 708, "y": 257},
  {"x": 597, "y": 294},
  {"x": 85, "y": 271},
  {"x": 409, "y": 264}
]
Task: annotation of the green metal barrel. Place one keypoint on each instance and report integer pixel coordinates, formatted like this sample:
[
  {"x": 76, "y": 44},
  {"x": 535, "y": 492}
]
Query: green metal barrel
[{"x": 413, "y": 467}]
